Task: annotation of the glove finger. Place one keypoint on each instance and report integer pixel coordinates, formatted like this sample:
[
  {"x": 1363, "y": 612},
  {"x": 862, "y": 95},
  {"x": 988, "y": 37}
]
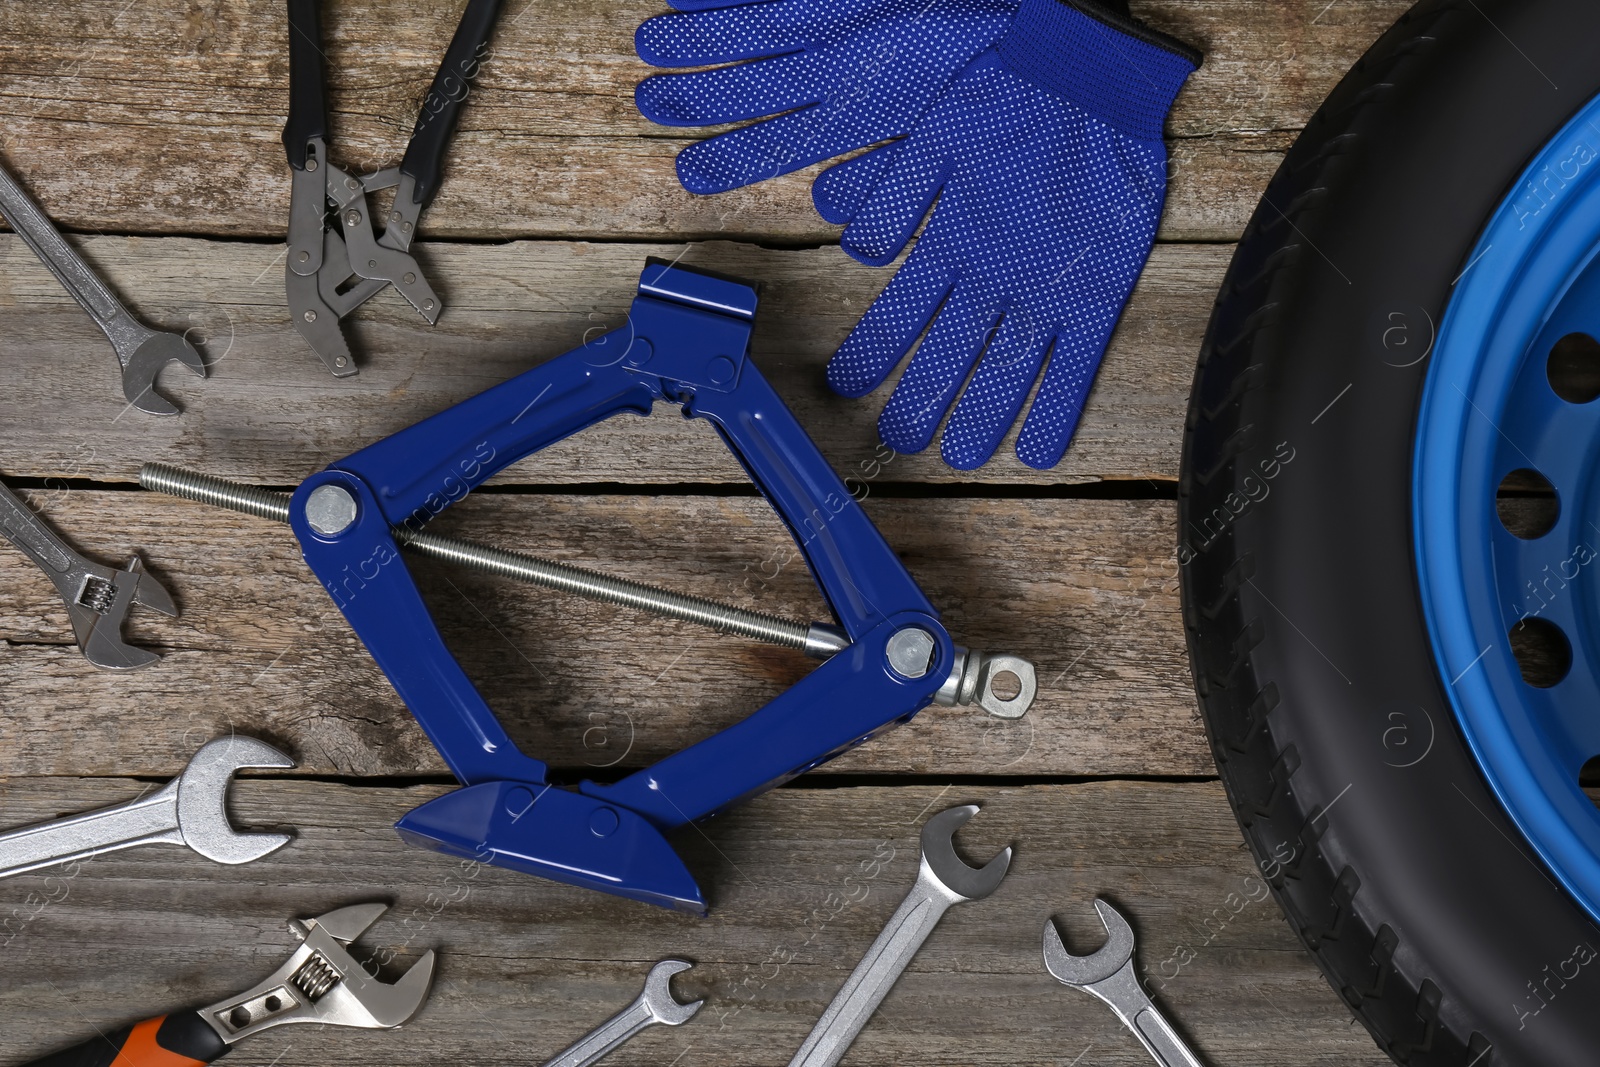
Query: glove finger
[
  {"x": 1053, "y": 419},
  {"x": 881, "y": 227},
  {"x": 936, "y": 372},
  {"x": 703, "y": 34},
  {"x": 707, "y": 5},
  {"x": 991, "y": 401},
  {"x": 840, "y": 190},
  {"x": 765, "y": 150},
  {"x": 889, "y": 328},
  {"x": 730, "y": 94}
]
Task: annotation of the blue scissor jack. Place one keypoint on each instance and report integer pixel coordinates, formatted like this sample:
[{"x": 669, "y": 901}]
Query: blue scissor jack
[{"x": 686, "y": 341}]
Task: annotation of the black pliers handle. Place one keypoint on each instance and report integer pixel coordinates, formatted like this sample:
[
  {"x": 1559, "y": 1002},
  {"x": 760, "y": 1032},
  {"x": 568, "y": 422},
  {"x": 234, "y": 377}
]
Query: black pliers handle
[{"x": 441, "y": 109}]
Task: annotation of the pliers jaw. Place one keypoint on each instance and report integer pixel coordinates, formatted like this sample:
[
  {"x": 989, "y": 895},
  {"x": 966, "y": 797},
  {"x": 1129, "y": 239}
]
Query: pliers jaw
[{"x": 686, "y": 342}]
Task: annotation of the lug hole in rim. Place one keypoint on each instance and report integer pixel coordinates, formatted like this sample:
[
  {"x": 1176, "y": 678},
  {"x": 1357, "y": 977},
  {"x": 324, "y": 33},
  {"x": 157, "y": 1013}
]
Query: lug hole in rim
[
  {"x": 1589, "y": 776},
  {"x": 1543, "y": 653},
  {"x": 1527, "y": 504},
  {"x": 1573, "y": 368}
]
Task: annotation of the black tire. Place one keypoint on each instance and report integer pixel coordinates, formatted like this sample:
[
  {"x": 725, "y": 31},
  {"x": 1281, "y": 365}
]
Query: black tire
[{"x": 1424, "y": 907}]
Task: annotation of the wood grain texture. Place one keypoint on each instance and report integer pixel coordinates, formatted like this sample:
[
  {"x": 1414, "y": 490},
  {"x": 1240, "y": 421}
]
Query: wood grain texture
[
  {"x": 174, "y": 120},
  {"x": 270, "y": 413},
  {"x": 592, "y": 688},
  {"x": 800, "y": 882},
  {"x": 153, "y": 132}
]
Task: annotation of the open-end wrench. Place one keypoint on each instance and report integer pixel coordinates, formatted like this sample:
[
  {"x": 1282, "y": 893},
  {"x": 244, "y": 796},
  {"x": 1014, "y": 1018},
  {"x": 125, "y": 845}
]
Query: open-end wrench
[
  {"x": 943, "y": 879},
  {"x": 319, "y": 983},
  {"x": 1109, "y": 975},
  {"x": 141, "y": 351},
  {"x": 189, "y": 810},
  {"x": 655, "y": 1005},
  {"x": 97, "y": 597}
]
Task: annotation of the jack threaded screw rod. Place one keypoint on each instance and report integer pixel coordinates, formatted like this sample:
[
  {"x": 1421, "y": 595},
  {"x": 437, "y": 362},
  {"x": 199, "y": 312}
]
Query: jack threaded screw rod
[
  {"x": 971, "y": 680},
  {"x": 814, "y": 639}
]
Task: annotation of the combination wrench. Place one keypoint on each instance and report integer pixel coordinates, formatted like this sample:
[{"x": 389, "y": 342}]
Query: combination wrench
[
  {"x": 141, "y": 351},
  {"x": 1109, "y": 975},
  {"x": 655, "y": 1004},
  {"x": 189, "y": 810},
  {"x": 98, "y": 598},
  {"x": 942, "y": 880}
]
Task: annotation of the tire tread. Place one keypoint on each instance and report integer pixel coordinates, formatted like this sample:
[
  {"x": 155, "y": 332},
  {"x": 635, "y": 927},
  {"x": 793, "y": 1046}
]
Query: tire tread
[{"x": 1401, "y": 1011}]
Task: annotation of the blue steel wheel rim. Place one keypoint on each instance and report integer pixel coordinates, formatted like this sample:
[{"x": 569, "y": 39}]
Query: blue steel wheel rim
[{"x": 1489, "y": 408}]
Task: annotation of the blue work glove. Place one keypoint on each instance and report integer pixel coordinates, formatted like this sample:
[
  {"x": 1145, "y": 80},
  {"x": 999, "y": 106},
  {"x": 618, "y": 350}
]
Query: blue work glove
[
  {"x": 1047, "y": 160},
  {"x": 838, "y": 74}
]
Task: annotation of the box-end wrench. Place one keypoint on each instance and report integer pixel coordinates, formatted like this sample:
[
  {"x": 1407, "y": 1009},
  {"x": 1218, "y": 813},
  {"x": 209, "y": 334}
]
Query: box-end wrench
[
  {"x": 943, "y": 879},
  {"x": 189, "y": 810},
  {"x": 141, "y": 351},
  {"x": 1109, "y": 975},
  {"x": 98, "y": 598},
  {"x": 655, "y": 1005}
]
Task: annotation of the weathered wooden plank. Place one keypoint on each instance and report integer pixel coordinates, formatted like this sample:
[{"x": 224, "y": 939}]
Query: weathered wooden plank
[
  {"x": 270, "y": 413},
  {"x": 173, "y": 119},
  {"x": 800, "y": 881},
  {"x": 1086, "y": 589}
]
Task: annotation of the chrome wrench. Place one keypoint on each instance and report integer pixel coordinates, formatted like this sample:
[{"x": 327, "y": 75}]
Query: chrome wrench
[
  {"x": 189, "y": 810},
  {"x": 141, "y": 351},
  {"x": 943, "y": 879},
  {"x": 98, "y": 598},
  {"x": 320, "y": 983},
  {"x": 1109, "y": 975},
  {"x": 655, "y": 1004}
]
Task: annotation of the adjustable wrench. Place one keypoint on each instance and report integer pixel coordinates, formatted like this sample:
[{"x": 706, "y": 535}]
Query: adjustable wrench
[
  {"x": 655, "y": 1005},
  {"x": 319, "y": 983},
  {"x": 189, "y": 810},
  {"x": 97, "y": 597},
  {"x": 141, "y": 351},
  {"x": 943, "y": 879},
  {"x": 1109, "y": 975}
]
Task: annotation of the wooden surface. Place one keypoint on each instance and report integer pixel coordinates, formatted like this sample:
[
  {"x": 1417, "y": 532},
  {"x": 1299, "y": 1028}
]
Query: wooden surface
[{"x": 151, "y": 133}]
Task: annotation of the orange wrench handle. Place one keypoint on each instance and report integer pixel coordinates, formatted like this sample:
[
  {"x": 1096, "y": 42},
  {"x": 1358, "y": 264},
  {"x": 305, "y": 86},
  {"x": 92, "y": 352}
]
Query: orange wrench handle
[{"x": 181, "y": 1040}]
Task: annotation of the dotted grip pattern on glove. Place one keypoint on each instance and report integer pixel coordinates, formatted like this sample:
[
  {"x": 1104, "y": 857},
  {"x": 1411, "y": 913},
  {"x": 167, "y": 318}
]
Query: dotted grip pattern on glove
[
  {"x": 1047, "y": 161},
  {"x": 839, "y": 75}
]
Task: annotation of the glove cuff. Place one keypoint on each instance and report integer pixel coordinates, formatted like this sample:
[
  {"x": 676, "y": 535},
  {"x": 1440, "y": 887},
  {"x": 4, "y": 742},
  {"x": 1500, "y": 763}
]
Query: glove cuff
[{"x": 1099, "y": 57}]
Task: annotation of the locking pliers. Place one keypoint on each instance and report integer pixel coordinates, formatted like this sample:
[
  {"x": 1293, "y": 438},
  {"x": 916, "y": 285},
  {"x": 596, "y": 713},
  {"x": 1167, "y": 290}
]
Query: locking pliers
[
  {"x": 686, "y": 342},
  {"x": 338, "y": 260}
]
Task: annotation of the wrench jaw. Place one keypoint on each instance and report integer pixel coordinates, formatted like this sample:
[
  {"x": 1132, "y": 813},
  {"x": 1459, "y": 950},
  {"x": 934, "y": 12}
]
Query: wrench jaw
[
  {"x": 202, "y": 795},
  {"x": 150, "y": 593},
  {"x": 939, "y": 854},
  {"x": 664, "y": 1007},
  {"x": 1085, "y": 971},
  {"x": 100, "y": 608},
  {"x": 140, "y": 370},
  {"x": 556, "y": 834},
  {"x": 322, "y": 983}
]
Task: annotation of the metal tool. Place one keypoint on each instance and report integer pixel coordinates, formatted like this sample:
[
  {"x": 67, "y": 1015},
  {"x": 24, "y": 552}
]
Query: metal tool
[
  {"x": 189, "y": 810},
  {"x": 972, "y": 679},
  {"x": 942, "y": 880},
  {"x": 337, "y": 260},
  {"x": 686, "y": 343},
  {"x": 320, "y": 983},
  {"x": 98, "y": 598},
  {"x": 141, "y": 351},
  {"x": 1109, "y": 975},
  {"x": 655, "y": 1005}
]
